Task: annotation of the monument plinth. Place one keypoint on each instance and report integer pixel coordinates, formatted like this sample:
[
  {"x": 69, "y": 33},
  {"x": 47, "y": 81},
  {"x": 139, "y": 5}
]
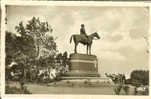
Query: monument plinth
[{"x": 83, "y": 65}]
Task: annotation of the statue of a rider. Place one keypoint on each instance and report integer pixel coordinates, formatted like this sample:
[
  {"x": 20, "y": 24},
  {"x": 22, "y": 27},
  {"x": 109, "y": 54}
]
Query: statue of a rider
[{"x": 82, "y": 31}]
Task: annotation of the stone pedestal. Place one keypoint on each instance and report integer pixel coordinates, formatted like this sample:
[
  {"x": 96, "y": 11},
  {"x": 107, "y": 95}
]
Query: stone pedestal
[{"x": 82, "y": 65}]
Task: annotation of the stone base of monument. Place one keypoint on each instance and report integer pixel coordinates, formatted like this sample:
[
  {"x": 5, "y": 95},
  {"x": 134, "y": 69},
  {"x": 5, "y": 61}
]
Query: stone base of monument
[
  {"x": 91, "y": 79},
  {"x": 83, "y": 65}
]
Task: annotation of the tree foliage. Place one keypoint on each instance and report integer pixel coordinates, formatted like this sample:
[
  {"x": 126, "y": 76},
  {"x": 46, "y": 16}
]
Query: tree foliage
[
  {"x": 140, "y": 77},
  {"x": 44, "y": 43},
  {"x": 32, "y": 44},
  {"x": 18, "y": 47},
  {"x": 63, "y": 59}
]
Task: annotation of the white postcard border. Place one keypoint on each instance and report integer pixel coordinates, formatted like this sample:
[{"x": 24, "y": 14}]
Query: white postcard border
[{"x": 63, "y": 3}]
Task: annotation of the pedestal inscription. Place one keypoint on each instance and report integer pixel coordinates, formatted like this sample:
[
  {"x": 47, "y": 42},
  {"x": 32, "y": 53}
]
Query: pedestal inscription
[{"x": 83, "y": 65}]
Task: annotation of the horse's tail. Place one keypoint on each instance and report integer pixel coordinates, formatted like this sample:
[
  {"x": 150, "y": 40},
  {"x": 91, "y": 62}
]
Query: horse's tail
[{"x": 71, "y": 38}]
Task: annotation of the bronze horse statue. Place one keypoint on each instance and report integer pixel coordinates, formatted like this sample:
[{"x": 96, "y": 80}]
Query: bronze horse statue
[{"x": 84, "y": 40}]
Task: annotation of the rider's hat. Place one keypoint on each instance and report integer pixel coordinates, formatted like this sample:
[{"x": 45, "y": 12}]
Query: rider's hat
[{"x": 82, "y": 25}]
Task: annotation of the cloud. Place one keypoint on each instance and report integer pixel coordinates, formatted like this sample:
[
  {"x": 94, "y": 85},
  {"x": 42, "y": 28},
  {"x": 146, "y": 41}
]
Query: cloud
[{"x": 110, "y": 54}]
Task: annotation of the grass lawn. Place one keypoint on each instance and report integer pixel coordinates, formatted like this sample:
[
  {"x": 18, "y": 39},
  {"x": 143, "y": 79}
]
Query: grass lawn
[{"x": 67, "y": 87}]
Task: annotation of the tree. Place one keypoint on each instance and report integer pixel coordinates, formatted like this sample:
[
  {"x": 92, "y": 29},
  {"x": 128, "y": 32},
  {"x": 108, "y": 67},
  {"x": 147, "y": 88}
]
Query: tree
[
  {"x": 30, "y": 43},
  {"x": 10, "y": 47},
  {"x": 65, "y": 59},
  {"x": 59, "y": 58},
  {"x": 16, "y": 45},
  {"x": 139, "y": 77},
  {"x": 45, "y": 44},
  {"x": 19, "y": 49}
]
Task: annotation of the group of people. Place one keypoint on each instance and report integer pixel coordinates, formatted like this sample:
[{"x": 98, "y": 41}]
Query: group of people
[
  {"x": 47, "y": 73},
  {"x": 33, "y": 73},
  {"x": 51, "y": 72}
]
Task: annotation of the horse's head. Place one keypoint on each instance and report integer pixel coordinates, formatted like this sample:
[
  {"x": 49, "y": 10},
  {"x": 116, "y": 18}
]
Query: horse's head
[{"x": 96, "y": 35}]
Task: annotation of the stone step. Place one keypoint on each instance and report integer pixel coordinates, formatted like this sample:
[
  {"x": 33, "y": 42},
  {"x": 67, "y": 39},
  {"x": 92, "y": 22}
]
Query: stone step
[
  {"x": 92, "y": 79},
  {"x": 82, "y": 74}
]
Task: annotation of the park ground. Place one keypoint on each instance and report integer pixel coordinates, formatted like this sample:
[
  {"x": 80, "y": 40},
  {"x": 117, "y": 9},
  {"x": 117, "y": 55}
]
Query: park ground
[{"x": 68, "y": 87}]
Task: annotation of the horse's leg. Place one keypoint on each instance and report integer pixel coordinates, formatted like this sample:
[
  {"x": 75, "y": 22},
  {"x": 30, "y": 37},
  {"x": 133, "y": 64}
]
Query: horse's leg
[
  {"x": 75, "y": 44},
  {"x": 90, "y": 49},
  {"x": 87, "y": 49},
  {"x": 75, "y": 49}
]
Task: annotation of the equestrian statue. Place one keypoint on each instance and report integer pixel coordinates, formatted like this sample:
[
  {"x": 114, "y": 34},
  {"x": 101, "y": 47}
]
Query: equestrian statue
[{"x": 84, "y": 39}]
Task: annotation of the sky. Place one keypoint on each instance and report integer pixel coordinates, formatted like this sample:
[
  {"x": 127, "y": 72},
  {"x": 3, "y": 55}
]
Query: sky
[{"x": 122, "y": 47}]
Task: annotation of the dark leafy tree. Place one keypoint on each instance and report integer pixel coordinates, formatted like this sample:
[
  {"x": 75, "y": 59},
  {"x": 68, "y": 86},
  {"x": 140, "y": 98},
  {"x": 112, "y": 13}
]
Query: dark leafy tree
[
  {"x": 10, "y": 47},
  {"x": 19, "y": 49},
  {"x": 17, "y": 45},
  {"x": 59, "y": 58},
  {"x": 65, "y": 59},
  {"x": 139, "y": 77}
]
